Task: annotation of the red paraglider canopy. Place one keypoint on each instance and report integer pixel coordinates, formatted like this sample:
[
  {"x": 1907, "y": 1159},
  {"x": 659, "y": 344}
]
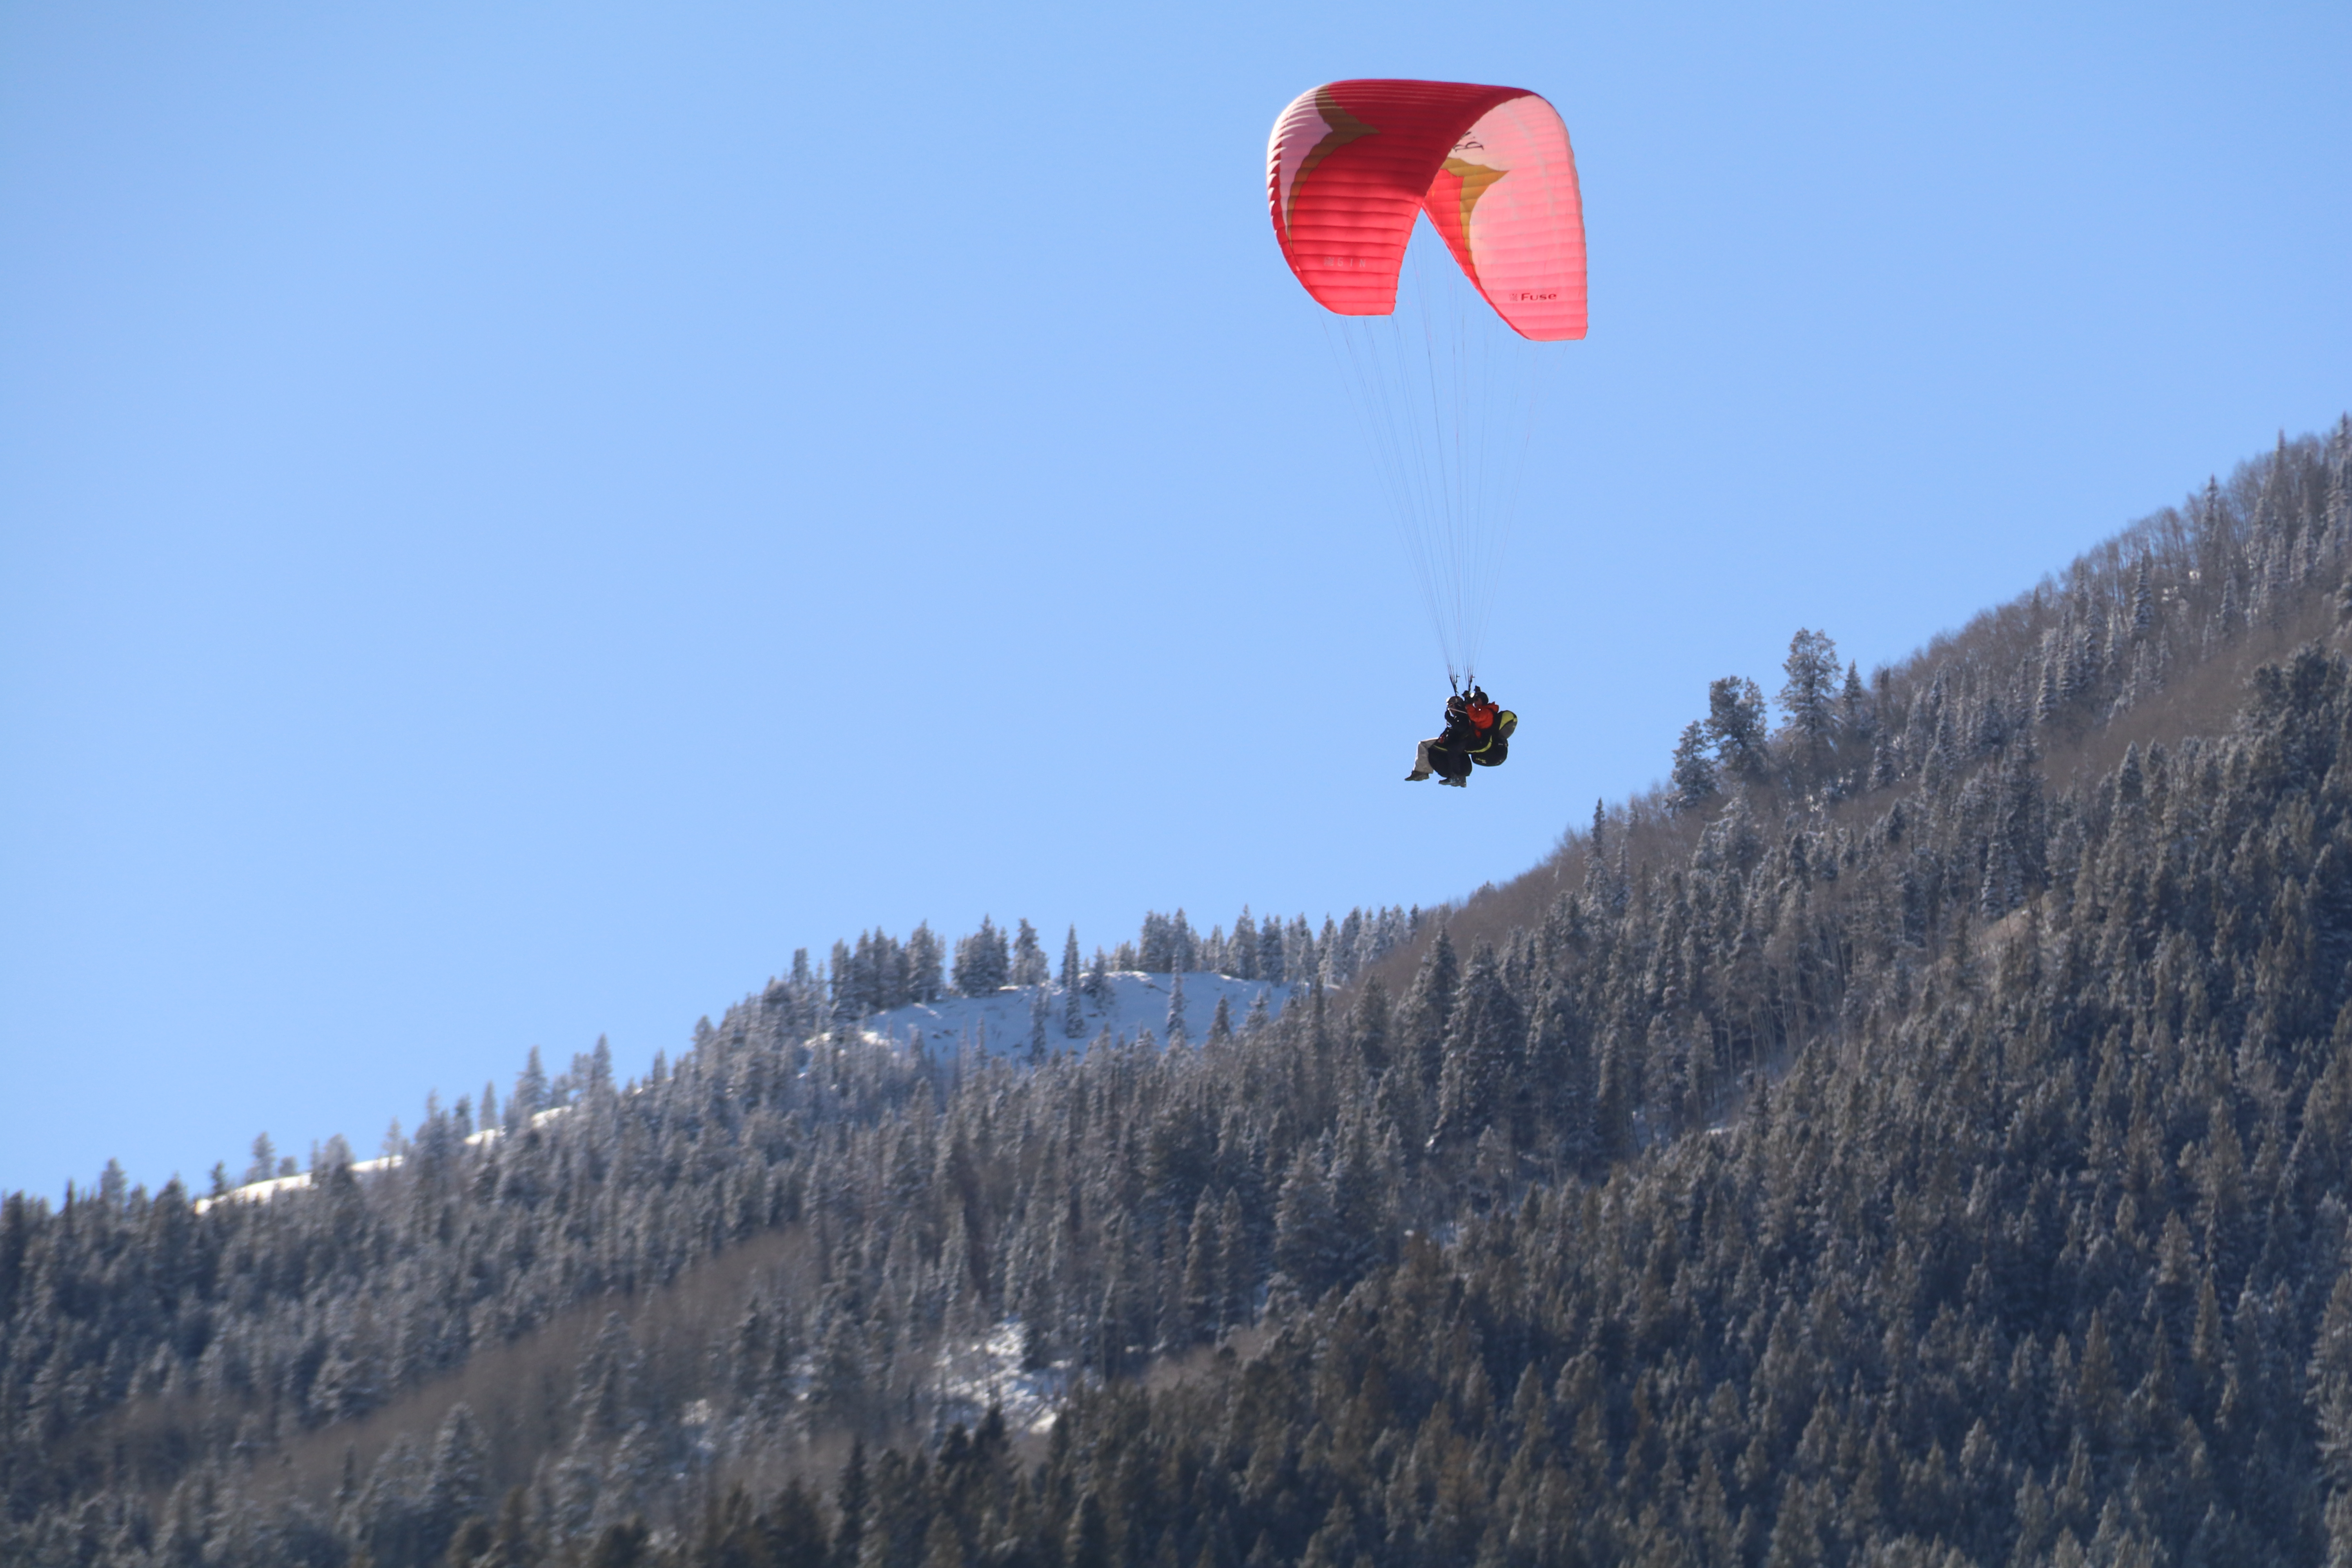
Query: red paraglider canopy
[{"x": 1352, "y": 164}]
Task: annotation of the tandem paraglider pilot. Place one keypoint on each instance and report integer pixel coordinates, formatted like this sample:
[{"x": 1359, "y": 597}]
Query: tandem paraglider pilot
[
  {"x": 1449, "y": 361},
  {"x": 1477, "y": 733}
]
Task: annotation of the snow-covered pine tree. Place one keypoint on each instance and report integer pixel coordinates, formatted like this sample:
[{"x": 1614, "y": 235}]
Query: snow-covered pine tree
[
  {"x": 1299, "y": 955},
  {"x": 1854, "y": 706},
  {"x": 981, "y": 963},
  {"x": 1307, "y": 1240},
  {"x": 1029, "y": 965},
  {"x": 1073, "y": 1022},
  {"x": 866, "y": 974},
  {"x": 456, "y": 1487},
  {"x": 1484, "y": 1039},
  {"x": 1155, "y": 944},
  {"x": 1198, "y": 1295},
  {"x": 1240, "y": 948},
  {"x": 1808, "y": 695},
  {"x": 1269, "y": 950},
  {"x": 924, "y": 962},
  {"x": 1236, "y": 1262},
  {"x": 2049, "y": 698},
  {"x": 1735, "y": 723},
  {"x": 599, "y": 1076},
  {"x": 1352, "y": 933},
  {"x": 1692, "y": 774},
  {"x": 529, "y": 1096},
  {"x": 2087, "y": 662},
  {"x": 842, "y": 973}
]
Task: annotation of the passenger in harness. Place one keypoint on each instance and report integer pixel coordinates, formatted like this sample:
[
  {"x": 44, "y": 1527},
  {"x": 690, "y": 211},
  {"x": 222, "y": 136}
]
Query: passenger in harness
[{"x": 1478, "y": 732}]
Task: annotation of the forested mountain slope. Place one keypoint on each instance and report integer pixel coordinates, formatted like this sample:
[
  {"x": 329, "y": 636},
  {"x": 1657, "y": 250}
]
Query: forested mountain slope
[{"x": 1919, "y": 1133}]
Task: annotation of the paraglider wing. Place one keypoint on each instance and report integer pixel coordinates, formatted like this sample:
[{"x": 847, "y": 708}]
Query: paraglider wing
[{"x": 1352, "y": 164}]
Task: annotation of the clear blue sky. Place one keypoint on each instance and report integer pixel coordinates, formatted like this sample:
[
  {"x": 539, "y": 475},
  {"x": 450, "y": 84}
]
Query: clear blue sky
[{"x": 512, "y": 519}]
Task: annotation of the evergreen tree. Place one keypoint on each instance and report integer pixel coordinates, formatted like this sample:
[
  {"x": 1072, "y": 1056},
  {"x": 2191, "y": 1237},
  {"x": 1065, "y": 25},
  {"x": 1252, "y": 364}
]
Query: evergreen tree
[
  {"x": 1029, "y": 965},
  {"x": 1199, "y": 1295},
  {"x": 455, "y": 1489},
  {"x": 1853, "y": 705},
  {"x": 1236, "y": 1261},
  {"x": 1299, "y": 959},
  {"x": 1269, "y": 952},
  {"x": 1809, "y": 695},
  {"x": 1427, "y": 1009},
  {"x": 1073, "y": 1022},
  {"x": 1483, "y": 1053},
  {"x": 1259, "y": 1016},
  {"x": 981, "y": 964},
  {"x": 1307, "y": 1240},
  {"x": 1155, "y": 947},
  {"x": 529, "y": 1096},
  {"x": 1694, "y": 769},
  {"x": 1242, "y": 948},
  {"x": 850, "y": 1504},
  {"x": 625, "y": 1544},
  {"x": 924, "y": 958},
  {"x": 1735, "y": 723},
  {"x": 846, "y": 1006}
]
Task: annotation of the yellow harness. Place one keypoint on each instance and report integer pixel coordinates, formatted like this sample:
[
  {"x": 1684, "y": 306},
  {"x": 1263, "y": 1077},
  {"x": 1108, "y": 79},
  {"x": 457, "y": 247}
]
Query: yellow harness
[{"x": 1505, "y": 722}]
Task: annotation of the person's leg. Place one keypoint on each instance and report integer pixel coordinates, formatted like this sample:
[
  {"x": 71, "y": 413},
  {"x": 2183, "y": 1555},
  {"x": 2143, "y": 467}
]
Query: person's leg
[{"x": 1421, "y": 767}]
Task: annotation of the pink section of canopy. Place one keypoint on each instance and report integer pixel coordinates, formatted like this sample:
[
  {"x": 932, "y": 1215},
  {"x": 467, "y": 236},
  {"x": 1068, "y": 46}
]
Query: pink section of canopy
[{"x": 1352, "y": 164}]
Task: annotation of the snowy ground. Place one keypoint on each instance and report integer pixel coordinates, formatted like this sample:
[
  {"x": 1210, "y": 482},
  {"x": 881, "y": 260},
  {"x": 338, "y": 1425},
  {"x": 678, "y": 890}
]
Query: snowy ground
[
  {"x": 1000, "y": 1022},
  {"x": 974, "y": 1377},
  {"x": 1137, "y": 1001},
  {"x": 262, "y": 1191}
]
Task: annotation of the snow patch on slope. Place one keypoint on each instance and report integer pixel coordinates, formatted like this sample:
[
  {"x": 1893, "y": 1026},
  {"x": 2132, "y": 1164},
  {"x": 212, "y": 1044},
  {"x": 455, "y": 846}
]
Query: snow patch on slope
[
  {"x": 988, "y": 1371},
  {"x": 262, "y": 1191},
  {"x": 1000, "y": 1022}
]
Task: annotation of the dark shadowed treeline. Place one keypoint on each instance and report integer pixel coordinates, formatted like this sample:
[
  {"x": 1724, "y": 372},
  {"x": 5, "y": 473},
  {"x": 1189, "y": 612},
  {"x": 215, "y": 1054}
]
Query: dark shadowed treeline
[{"x": 1918, "y": 1133}]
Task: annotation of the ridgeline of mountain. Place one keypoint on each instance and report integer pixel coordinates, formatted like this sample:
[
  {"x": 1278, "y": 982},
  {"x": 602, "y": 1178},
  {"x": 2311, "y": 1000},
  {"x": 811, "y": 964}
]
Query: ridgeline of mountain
[{"x": 1919, "y": 1133}]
